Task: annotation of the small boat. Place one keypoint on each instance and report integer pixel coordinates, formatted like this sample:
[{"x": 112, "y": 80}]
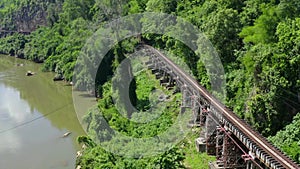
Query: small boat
[
  {"x": 66, "y": 134},
  {"x": 29, "y": 73}
]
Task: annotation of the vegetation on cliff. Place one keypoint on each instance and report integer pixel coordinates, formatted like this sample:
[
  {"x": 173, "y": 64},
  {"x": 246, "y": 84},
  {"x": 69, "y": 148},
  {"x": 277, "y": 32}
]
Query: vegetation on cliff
[{"x": 257, "y": 41}]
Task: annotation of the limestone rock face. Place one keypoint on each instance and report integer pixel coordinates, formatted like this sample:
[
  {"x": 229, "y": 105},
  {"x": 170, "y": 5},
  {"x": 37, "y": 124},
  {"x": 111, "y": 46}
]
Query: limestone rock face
[{"x": 29, "y": 17}]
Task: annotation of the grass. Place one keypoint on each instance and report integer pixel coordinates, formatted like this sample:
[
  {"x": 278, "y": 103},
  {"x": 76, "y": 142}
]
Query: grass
[
  {"x": 194, "y": 159},
  {"x": 146, "y": 82}
]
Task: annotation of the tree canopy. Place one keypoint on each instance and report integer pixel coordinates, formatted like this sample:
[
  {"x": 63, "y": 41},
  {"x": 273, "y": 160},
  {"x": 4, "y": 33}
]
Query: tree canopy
[{"x": 256, "y": 40}]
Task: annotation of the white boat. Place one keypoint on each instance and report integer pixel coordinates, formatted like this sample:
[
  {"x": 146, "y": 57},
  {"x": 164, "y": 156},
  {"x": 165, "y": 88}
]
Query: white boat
[{"x": 66, "y": 134}]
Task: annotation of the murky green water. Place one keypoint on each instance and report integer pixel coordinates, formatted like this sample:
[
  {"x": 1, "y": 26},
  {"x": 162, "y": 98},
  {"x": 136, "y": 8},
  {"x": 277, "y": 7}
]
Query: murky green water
[{"x": 35, "y": 112}]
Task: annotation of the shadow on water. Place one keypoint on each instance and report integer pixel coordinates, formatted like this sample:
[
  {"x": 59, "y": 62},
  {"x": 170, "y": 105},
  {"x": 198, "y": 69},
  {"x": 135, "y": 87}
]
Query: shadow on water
[{"x": 86, "y": 95}]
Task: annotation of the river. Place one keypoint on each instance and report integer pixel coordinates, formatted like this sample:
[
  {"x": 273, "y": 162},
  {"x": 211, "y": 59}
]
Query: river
[{"x": 35, "y": 112}]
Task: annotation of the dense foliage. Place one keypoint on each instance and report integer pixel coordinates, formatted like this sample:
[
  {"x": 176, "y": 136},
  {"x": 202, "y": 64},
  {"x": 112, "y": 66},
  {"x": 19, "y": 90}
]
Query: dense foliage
[
  {"x": 257, "y": 41},
  {"x": 97, "y": 128},
  {"x": 289, "y": 139}
]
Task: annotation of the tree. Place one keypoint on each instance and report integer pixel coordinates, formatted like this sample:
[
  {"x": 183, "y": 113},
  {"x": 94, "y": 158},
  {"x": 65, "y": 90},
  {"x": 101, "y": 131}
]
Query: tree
[
  {"x": 167, "y": 6},
  {"x": 288, "y": 139},
  {"x": 222, "y": 27},
  {"x": 264, "y": 27}
]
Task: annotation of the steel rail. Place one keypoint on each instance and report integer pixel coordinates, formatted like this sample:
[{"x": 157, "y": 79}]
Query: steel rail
[{"x": 229, "y": 115}]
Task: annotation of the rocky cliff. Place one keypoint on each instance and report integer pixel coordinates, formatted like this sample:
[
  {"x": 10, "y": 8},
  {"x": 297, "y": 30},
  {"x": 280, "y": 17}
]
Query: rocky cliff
[{"x": 30, "y": 16}]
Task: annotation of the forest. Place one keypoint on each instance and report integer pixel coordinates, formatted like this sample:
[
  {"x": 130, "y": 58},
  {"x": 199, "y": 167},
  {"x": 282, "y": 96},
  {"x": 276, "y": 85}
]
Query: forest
[{"x": 256, "y": 40}]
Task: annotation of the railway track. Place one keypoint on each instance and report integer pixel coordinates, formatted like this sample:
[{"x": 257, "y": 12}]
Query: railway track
[{"x": 268, "y": 152}]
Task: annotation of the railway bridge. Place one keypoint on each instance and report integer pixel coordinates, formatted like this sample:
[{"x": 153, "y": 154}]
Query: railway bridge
[{"x": 234, "y": 143}]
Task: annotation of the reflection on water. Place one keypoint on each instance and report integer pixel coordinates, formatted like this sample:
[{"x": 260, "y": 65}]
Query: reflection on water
[{"x": 34, "y": 114}]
